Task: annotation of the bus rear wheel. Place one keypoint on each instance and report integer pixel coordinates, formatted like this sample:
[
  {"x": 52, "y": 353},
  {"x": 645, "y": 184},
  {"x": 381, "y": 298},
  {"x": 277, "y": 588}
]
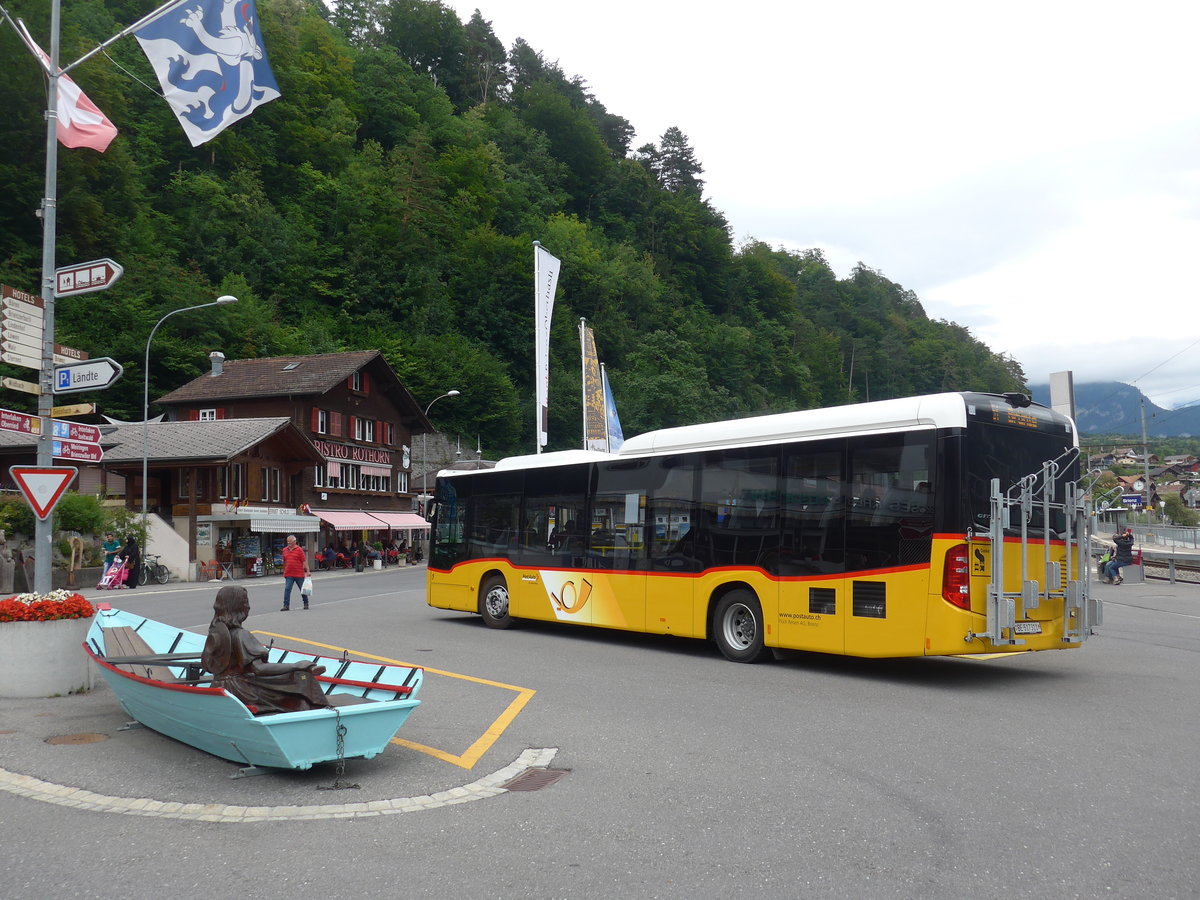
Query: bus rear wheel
[
  {"x": 493, "y": 603},
  {"x": 738, "y": 627}
]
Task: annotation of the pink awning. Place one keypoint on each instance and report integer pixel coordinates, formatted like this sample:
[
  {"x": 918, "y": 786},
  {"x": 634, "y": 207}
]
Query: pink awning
[
  {"x": 340, "y": 519},
  {"x": 400, "y": 520}
]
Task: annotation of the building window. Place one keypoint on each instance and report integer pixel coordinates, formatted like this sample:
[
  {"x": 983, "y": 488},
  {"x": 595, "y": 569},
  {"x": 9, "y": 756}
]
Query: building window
[
  {"x": 389, "y": 434},
  {"x": 401, "y": 482},
  {"x": 320, "y": 421},
  {"x": 208, "y": 415},
  {"x": 231, "y": 481},
  {"x": 319, "y": 476},
  {"x": 364, "y": 430},
  {"x": 274, "y": 482},
  {"x": 356, "y": 381}
]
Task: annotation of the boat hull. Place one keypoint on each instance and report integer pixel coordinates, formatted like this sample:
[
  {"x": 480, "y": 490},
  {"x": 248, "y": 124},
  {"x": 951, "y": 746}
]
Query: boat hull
[{"x": 213, "y": 720}]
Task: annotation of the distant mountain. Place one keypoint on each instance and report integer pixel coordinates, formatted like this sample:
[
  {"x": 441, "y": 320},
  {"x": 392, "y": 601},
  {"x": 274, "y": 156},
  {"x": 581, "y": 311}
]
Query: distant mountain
[{"x": 1112, "y": 407}]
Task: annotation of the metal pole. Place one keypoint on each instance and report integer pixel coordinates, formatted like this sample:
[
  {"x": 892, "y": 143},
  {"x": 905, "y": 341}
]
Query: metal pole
[
  {"x": 1146, "y": 462},
  {"x": 220, "y": 301},
  {"x": 424, "y": 455},
  {"x": 44, "y": 528}
]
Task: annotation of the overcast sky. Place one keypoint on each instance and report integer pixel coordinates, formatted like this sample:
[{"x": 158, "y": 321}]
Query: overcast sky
[{"x": 1029, "y": 169}]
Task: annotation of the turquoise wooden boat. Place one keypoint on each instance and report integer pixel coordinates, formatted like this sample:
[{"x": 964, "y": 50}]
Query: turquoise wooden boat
[{"x": 154, "y": 671}]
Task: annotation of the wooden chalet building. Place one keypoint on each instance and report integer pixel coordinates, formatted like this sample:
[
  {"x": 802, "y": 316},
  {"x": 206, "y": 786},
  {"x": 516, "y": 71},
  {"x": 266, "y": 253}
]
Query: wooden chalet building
[{"x": 354, "y": 416}]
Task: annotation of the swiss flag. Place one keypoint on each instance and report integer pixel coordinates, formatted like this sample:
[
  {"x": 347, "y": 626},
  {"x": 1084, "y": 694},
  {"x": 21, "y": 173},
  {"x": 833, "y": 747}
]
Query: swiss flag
[{"x": 80, "y": 122}]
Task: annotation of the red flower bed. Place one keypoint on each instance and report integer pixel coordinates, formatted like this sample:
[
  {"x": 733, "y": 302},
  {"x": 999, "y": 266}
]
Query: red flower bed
[{"x": 48, "y": 608}]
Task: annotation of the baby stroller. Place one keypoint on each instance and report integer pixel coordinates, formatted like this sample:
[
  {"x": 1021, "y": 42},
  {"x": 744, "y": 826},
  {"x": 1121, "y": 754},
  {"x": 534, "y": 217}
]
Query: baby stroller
[{"x": 114, "y": 576}]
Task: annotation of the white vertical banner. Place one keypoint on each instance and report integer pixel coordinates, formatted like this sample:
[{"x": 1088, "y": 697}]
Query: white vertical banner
[{"x": 545, "y": 281}]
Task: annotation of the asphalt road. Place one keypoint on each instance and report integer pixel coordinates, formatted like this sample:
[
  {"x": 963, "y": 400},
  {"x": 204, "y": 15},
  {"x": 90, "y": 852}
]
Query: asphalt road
[{"x": 1062, "y": 774}]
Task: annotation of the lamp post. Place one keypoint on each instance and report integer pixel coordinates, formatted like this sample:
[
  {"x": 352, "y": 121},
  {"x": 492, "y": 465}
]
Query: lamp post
[
  {"x": 220, "y": 301},
  {"x": 424, "y": 454}
]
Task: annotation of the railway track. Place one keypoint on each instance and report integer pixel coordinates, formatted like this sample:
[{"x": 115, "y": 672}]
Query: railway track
[{"x": 1159, "y": 571}]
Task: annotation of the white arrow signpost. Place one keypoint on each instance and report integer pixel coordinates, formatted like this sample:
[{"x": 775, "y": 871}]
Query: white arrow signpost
[
  {"x": 83, "y": 278},
  {"x": 92, "y": 375}
]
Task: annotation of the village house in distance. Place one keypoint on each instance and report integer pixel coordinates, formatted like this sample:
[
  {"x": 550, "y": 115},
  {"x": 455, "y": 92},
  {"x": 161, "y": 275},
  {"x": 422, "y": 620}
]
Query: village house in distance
[{"x": 325, "y": 452}]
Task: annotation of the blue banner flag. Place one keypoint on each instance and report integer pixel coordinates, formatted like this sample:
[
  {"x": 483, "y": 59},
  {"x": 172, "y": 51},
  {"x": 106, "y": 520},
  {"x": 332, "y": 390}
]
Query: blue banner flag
[
  {"x": 209, "y": 58},
  {"x": 615, "y": 436}
]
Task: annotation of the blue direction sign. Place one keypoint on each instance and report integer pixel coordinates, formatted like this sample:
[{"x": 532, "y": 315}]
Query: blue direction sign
[{"x": 91, "y": 375}]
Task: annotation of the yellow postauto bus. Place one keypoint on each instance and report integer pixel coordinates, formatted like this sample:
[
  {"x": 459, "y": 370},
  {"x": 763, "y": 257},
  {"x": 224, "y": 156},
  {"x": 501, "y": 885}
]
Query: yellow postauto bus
[{"x": 937, "y": 525}]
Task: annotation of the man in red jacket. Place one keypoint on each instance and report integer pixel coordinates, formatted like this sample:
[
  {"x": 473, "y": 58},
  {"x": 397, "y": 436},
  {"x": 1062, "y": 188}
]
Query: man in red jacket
[{"x": 295, "y": 570}]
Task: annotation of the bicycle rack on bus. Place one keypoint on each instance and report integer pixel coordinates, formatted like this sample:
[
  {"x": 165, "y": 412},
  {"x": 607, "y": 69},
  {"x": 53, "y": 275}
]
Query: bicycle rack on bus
[{"x": 1081, "y": 611}]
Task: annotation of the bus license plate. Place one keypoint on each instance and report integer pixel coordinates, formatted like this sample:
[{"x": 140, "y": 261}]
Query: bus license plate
[{"x": 1028, "y": 628}]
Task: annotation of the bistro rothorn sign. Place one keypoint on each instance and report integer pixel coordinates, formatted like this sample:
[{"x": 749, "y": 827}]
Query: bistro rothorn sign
[{"x": 352, "y": 453}]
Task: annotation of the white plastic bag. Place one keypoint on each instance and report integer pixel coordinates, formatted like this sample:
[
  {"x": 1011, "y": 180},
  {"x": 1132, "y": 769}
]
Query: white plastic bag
[{"x": 306, "y": 587}]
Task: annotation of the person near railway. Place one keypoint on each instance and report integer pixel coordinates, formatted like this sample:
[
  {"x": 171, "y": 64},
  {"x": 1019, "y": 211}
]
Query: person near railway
[
  {"x": 1122, "y": 556},
  {"x": 295, "y": 570}
]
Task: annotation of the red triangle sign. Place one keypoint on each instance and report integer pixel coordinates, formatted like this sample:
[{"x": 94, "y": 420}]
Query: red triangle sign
[{"x": 43, "y": 487}]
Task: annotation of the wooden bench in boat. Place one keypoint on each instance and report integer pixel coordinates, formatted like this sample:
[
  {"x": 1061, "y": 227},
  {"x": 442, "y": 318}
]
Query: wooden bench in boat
[{"x": 124, "y": 641}]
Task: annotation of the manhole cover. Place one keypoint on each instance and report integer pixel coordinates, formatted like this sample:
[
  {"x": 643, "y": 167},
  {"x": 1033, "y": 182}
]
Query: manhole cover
[
  {"x": 535, "y": 779},
  {"x": 85, "y": 738}
]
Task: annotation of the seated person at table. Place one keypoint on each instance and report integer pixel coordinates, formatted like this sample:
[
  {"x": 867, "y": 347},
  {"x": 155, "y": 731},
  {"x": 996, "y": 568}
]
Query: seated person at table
[{"x": 239, "y": 664}]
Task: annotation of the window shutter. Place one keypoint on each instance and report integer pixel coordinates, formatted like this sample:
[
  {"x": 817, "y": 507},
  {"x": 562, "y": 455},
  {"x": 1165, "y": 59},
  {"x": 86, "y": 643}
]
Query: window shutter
[
  {"x": 366, "y": 383},
  {"x": 335, "y": 424},
  {"x": 351, "y": 426},
  {"x": 220, "y": 413},
  {"x": 316, "y": 419},
  {"x": 193, "y": 415}
]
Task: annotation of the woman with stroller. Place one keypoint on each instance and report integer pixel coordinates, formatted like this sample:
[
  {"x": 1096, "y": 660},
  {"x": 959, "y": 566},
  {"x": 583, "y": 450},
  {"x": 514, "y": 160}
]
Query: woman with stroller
[{"x": 133, "y": 562}]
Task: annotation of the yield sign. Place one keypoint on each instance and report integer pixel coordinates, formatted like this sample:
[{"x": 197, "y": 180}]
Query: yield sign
[{"x": 42, "y": 487}]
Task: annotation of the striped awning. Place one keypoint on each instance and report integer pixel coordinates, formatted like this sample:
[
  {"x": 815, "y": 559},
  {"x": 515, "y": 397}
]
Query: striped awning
[
  {"x": 348, "y": 519},
  {"x": 285, "y": 524},
  {"x": 400, "y": 520}
]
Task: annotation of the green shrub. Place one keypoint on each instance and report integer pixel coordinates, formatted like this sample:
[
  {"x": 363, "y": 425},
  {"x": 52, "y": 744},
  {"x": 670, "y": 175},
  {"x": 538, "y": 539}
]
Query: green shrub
[
  {"x": 16, "y": 517},
  {"x": 79, "y": 512}
]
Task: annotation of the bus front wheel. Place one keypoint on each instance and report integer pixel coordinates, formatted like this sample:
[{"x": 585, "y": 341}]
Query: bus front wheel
[
  {"x": 738, "y": 627},
  {"x": 493, "y": 603}
]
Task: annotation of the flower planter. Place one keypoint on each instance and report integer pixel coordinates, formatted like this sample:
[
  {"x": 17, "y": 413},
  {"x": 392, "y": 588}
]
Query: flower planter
[{"x": 43, "y": 659}]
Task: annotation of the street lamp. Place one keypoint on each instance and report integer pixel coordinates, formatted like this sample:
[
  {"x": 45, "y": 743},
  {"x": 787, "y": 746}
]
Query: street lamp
[
  {"x": 424, "y": 456},
  {"x": 220, "y": 301}
]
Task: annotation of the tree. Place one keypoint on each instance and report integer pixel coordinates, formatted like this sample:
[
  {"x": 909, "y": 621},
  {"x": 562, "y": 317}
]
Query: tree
[
  {"x": 487, "y": 62},
  {"x": 676, "y": 165}
]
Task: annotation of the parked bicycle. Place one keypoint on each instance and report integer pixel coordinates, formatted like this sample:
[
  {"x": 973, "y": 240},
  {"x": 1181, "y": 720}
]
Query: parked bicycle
[{"x": 152, "y": 568}]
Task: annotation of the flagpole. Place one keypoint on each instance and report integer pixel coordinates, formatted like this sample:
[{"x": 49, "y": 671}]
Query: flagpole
[
  {"x": 43, "y": 528},
  {"x": 537, "y": 354},
  {"x": 583, "y": 379},
  {"x": 604, "y": 381}
]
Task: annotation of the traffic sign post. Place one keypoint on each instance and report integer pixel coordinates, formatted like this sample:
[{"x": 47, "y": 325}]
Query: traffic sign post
[
  {"x": 77, "y": 450},
  {"x": 28, "y": 387},
  {"x": 82, "y": 278},
  {"x": 92, "y": 375},
  {"x": 11, "y": 420},
  {"x": 74, "y": 409},
  {"x": 75, "y": 431},
  {"x": 43, "y": 486}
]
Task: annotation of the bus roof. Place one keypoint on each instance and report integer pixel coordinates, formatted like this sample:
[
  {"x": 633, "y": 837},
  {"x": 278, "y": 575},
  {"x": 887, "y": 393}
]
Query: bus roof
[{"x": 949, "y": 410}]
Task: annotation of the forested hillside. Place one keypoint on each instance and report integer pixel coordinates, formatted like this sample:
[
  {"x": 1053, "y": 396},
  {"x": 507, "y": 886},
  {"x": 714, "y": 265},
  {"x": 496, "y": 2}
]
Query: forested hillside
[{"x": 389, "y": 199}]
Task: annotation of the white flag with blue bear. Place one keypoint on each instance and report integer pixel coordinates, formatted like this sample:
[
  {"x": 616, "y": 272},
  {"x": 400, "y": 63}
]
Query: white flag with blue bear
[{"x": 208, "y": 56}]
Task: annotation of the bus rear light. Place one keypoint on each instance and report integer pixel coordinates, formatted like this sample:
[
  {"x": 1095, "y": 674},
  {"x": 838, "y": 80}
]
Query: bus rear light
[{"x": 956, "y": 577}]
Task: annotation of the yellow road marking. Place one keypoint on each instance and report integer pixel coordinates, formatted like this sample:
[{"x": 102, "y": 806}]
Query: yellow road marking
[{"x": 481, "y": 745}]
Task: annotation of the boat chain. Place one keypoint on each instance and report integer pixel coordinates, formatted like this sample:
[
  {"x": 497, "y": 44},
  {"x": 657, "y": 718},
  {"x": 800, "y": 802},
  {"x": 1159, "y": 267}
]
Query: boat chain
[{"x": 338, "y": 784}]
